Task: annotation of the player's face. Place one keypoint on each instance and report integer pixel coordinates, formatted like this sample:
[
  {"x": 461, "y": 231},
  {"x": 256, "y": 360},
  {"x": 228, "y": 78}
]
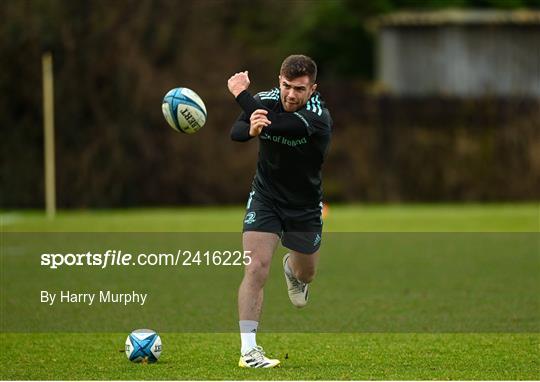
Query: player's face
[{"x": 296, "y": 92}]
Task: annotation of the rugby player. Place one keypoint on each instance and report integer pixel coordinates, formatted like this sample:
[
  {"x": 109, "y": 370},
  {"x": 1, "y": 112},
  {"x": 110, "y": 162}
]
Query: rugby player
[{"x": 285, "y": 203}]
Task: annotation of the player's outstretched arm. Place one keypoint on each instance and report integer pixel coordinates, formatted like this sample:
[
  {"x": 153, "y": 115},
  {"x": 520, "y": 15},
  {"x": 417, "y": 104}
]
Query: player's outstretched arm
[{"x": 243, "y": 129}]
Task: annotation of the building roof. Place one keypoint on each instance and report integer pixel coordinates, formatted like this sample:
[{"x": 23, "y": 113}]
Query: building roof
[{"x": 457, "y": 17}]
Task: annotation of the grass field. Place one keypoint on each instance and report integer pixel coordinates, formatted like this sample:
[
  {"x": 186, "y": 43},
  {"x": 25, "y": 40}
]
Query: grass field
[
  {"x": 471, "y": 317},
  {"x": 523, "y": 217}
]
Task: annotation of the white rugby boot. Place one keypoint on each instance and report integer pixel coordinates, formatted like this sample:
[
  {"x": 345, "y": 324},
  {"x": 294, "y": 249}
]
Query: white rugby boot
[
  {"x": 298, "y": 291},
  {"x": 255, "y": 359}
]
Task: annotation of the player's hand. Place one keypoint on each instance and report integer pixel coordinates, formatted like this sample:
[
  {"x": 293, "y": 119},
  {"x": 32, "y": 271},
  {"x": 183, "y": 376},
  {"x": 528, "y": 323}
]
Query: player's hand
[
  {"x": 238, "y": 83},
  {"x": 258, "y": 121}
]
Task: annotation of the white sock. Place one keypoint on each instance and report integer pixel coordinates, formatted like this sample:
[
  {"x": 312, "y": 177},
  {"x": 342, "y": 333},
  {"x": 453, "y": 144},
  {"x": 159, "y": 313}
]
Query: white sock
[{"x": 248, "y": 331}]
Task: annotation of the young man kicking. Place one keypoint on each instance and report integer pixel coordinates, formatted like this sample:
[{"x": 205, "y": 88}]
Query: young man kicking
[{"x": 294, "y": 129}]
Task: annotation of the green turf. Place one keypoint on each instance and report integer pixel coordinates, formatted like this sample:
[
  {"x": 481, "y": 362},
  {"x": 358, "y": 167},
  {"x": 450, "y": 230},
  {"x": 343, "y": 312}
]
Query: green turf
[
  {"x": 310, "y": 356},
  {"x": 374, "y": 282},
  {"x": 522, "y": 217},
  {"x": 406, "y": 302}
]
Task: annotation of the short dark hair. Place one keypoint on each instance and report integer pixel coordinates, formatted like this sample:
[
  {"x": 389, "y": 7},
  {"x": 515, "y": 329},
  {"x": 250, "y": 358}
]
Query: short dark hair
[{"x": 298, "y": 65}]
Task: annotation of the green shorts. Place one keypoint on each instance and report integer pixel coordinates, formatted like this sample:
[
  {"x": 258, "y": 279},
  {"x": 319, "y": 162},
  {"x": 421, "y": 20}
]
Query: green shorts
[{"x": 300, "y": 229}]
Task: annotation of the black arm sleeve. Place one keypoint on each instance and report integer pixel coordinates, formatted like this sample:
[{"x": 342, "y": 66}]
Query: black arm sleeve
[
  {"x": 240, "y": 132},
  {"x": 248, "y": 103},
  {"x": 286, "y": 124},
  {"x": 240, "y": 129}
]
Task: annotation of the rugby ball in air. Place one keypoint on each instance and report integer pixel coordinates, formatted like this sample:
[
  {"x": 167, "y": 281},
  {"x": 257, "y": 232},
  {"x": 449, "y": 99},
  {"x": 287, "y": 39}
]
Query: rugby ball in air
[{"x": 184, "y": 110}]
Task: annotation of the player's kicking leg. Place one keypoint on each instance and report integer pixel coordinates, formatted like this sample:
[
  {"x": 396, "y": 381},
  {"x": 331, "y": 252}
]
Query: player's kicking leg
[{"x": 299, "y": 269}]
